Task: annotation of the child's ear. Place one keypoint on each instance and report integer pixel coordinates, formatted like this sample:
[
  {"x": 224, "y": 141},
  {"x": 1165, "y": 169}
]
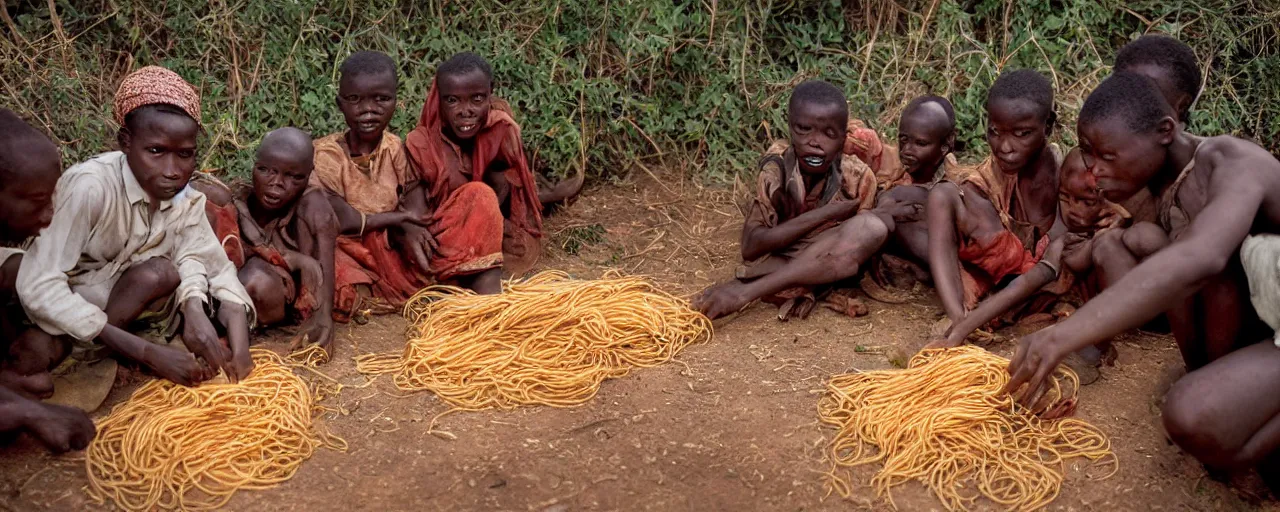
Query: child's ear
[
  {"x": 123, "y": 139},
  {"x": 1050, "y": 122},
  {"x": 1167, "y": 127},
  {"x": 949, "y": 144}
]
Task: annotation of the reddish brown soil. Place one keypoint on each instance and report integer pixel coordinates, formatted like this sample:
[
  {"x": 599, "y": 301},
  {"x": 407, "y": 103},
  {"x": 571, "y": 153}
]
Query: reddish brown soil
[{"x": 731, "y": 426}]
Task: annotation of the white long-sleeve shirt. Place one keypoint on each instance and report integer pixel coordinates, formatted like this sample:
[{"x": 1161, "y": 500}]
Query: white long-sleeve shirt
[{"x": 101, "y": 227}]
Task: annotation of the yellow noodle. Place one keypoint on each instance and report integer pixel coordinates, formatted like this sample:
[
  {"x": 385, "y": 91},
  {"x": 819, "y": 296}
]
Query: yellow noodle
[
  {"x": 174, "y": 447},
  {"x": 547, "y": 340},
  {"x": 944, "y": 422}
]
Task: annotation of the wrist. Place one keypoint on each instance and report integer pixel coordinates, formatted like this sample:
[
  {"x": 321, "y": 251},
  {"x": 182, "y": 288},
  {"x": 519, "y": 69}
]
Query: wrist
[{"x": 193, "y": 306}]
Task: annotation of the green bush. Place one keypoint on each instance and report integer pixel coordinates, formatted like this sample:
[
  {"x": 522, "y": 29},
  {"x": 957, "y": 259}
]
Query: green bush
[{"x": 698, "y": 87}]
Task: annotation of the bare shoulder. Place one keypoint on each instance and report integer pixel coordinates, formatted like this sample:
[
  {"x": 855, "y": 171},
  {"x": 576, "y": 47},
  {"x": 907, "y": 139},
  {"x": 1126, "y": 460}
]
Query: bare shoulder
[
  {"x": 314, "y": 207},
  {"x": 1242, "y": 157}
]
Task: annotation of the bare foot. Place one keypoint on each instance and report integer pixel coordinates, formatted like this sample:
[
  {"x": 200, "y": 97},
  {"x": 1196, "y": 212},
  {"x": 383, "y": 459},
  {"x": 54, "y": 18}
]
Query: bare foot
[
  {"x": 39, "y": 386},
  {"x": 721, "y": 300},
  {"x": 59, "y": 428}
]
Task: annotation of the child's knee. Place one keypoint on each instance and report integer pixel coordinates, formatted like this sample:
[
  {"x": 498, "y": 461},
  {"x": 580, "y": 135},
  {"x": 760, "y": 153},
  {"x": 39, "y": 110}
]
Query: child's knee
[
  {"x": 158, "y": 274},
  {"x": 262, "y": 286},
  {"x": 860, "y": 237},
  {"x": 36, "y": 351},
  {"x": 1107, "y": 246},
  {"x": 1144, "y": 239},
  {"x": 1195, "y": 428}
]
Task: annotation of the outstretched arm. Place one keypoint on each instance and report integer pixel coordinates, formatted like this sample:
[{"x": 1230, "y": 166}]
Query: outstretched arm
[
  {"x": 1157, "y": 284},
  {"x": 1018, "y": 291}
]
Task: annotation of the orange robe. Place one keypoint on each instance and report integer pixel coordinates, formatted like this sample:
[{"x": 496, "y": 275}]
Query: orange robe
[
  {"x": 482, "y": 237},
  {"x": 371, "y": 184}
]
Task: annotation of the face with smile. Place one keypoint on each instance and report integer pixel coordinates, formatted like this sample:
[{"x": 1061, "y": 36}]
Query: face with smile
[
  {"x": 160, "y": 146},
  {"x": 1122, "y": 159},
  {"x": 1017, "y": 131},
  {"x": 281, "y": 173},
  {"x": 367, "y": 101},
  {"x": 924, "y": 138},
  {"x": 817, "y": 134},
  {"x": 464, "y": 103}
]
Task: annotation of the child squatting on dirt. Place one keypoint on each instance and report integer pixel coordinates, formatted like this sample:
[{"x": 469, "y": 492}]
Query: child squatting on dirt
[{"x": 804, "y": 232}]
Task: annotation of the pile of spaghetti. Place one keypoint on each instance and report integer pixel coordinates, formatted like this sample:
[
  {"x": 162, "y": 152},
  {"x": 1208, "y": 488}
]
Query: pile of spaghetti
[
  {"x": 174, "y": 447},
  {"x": 548, "y": 340},
  {"x": 945, "y": 423}
]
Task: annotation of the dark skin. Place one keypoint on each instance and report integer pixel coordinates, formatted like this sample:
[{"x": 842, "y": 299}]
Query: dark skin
[
  {"x": 925, "y": 138},
  {"x": 817, "y": 136},
  {"x": 160, "y": 147},
  {"x": 1163, "y": 78},
  {"x": 1075, "y": 250},
  {"x": 24, "y": 211},
  {"x": 465, "y": 102},
  {"x": 1017, "y": 132},
  {"x": 367, "y": 102},
  {"x": 281, "y": 172},
  {"x": 161, "y": 151},
  {"x": 1225, "y": 411}
]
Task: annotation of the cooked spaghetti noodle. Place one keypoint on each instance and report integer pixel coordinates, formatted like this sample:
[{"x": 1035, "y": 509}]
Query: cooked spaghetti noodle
[
  {"x": 548, "y": 340},
  {"x": 174, "y": 447},
  {"x": 944, "y": 422}
]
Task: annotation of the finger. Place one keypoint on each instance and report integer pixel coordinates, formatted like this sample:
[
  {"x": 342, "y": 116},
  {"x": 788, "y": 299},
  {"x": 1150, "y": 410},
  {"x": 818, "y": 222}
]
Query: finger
[
  {"x": 1036, "y": 387},
  {"x": 432, "y": 243},
  {"x": 1020, "y": 372},
  {"x": 419, "y": 257}
]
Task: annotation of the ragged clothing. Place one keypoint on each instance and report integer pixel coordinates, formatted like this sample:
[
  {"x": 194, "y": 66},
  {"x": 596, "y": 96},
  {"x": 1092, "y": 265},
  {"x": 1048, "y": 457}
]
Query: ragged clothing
[
  {"x": 275, "y": 243},
  {"x": 1260, "y": 255},
  {"x": 446, "y": 169},
  {"x": 781, "y": 196},
  {"x": 101, "y": 228},
  {"x": 1016, "y": 249},
  {"x": 865, "y": 144},
  {"x": 371, "y": 184},
  {"x": 1002, "y": 191},
  {"x": 1172, "y": 213}
]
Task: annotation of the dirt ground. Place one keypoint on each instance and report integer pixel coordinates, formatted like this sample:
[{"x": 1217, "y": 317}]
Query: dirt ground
[{"x": 731, "y": 426}]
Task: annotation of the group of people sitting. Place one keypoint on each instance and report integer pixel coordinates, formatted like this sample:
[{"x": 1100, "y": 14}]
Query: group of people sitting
[
  {"x": 1141, "y": 220},
  {"x": 328, "y": 230}
]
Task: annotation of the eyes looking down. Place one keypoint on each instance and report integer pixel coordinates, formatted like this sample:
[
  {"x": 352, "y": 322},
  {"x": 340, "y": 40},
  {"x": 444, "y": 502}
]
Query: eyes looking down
[{"x": 925, "y": 136}]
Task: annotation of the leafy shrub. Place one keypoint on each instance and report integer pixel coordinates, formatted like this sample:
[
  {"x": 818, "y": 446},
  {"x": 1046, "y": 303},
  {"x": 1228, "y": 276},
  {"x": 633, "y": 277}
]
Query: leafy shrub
[{"x": 698, "y": 87}]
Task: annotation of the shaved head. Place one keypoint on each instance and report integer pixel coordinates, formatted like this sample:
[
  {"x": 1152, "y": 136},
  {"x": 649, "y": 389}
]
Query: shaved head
[{"x": 289, "y": 143}]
